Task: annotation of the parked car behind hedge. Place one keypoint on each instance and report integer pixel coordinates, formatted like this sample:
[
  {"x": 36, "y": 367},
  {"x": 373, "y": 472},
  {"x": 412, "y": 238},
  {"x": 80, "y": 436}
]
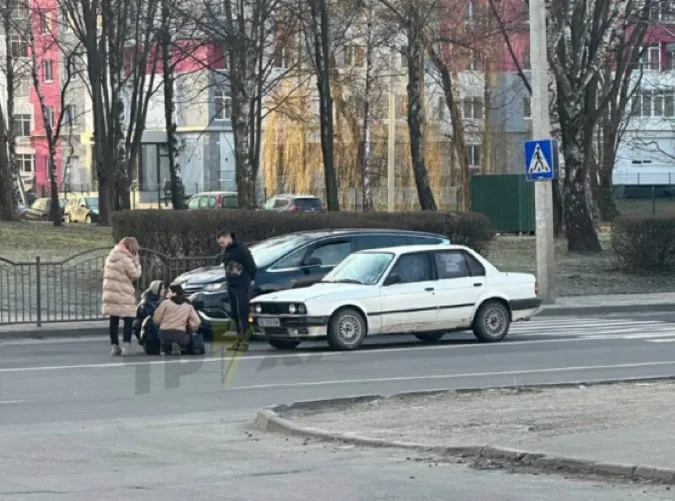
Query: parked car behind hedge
[{"x": 192, "y": 233}]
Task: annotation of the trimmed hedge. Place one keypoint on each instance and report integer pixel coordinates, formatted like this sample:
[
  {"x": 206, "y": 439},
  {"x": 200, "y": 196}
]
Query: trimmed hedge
[
  {"x": 644, "y": 243},
  {"x": 192, "y": 233}
]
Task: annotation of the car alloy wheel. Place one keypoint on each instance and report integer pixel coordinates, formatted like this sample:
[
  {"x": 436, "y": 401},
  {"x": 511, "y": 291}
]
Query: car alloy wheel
[
  {"x": 494, "y": 321},
  {"x": 347, "y": 330}
]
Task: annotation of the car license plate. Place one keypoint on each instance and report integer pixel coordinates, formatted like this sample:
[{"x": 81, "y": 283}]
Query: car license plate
[{"x": 269, "y": 322}]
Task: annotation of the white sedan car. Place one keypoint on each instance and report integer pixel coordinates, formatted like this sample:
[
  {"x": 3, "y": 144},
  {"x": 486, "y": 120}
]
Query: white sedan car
[{"x": 424, "y": 290}]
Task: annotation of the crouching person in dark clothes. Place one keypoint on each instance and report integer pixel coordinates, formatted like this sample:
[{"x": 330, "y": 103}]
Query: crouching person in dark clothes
[
  {"x": 240, "y": 271},
  {"x": 176, "y": 318}
]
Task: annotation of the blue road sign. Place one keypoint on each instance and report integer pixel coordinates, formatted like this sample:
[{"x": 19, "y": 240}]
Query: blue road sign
[{"x": 541, "y": 159}]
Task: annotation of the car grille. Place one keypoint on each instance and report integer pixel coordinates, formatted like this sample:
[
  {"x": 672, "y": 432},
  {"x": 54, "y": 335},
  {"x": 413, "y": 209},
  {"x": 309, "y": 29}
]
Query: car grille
[{"x": 274, "y": 308}]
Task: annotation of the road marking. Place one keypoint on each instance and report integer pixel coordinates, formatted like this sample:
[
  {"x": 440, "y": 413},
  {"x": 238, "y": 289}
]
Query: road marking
[
  {"x": 302, "y": 354},
  {"x": 7, "y": 402},
  {"x": 452, "y": 376}
]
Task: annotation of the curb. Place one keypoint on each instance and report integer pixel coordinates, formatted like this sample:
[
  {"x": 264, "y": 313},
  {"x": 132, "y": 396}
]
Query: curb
[
  {"x": 582, "y": 311},
  {"x": 271, "y": 420}
]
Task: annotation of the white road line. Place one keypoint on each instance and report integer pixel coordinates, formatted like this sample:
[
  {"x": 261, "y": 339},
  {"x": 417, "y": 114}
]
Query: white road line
[
  {"x": 300, "y": 354},
  {"x": 8, "y": 402},
  {"x": 454, "y": 376},
  {"x": 663, "y": 340}
]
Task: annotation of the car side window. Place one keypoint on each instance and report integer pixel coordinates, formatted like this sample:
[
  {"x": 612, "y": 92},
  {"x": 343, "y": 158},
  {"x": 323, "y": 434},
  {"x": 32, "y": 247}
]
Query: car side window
[
  {"x": 451, "y": 264},
  {"x": 203, "y": 202},
  {"x": 229, "y": 202},
  {"x": 280, "y": 202},
  {"x": 193, "y": 203},
  {"x": 475, "y": 266},
  {"x": 270, "y": 203},
  {"x": 331, "y": 254},
  {"x": 424, "y": 240},
  {"x": 378, "y": 241},
  {"x": 212, "y": 202},
  {"x": 413, "y": 268}
]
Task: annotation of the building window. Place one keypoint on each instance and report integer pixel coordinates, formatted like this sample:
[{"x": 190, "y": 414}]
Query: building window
[
  {"x": 222, "y": 102},
  {"x": 49, "y": 116},
  {"x": 21, "y": 87},
  {"x": 441, "y": 107},
  {"x": 648, "y": 104},
  {"x": 355, "y": 56},
  {"x": 26, "y": 163},
  {"x": 72, "y": 116},
  {"x": 527, "y": 65},
  {"x": 19, "y": 46},
  {"x": 473, "y": 108},
  {"x": 473, "y": 155},
  {"x": 475, "y": 61},
  {"x": 22, "y": 125},
  {"x": 283, "y": 58},
  {"x": 469, "y": 13},
  {"x": 45, "y": 22},
  {"x": 48, "y": 70},
  {"x": 651, "y": 57},
  {"x": 527, "y": 107}
]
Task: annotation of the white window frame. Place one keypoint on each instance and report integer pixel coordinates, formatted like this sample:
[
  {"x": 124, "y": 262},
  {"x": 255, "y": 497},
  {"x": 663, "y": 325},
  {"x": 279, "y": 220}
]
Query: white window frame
[
  {"x": 223, "y": 96},
  {"x": 469, "y": 13},
  {"x": 23, "y": 159},
  {"x": 351, "y": 56},
  {"x": 48, "y": 71},
  {"x": 72, "y": 115},
  {"x": 475, "y": 105},
  {"x": 21, "y": 87},
  {"x": 651, "y": 57},
  {"x": 473, "y": 152},
  {"x": 20, "y": 121},
  {"x": 49, "y": 116},
  {"x": 18, "y": 46}
]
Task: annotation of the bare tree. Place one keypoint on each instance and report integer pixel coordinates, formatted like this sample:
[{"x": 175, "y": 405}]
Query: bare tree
[
  {"x": 413, "y": 17},
  {"x": 584, "y": 38},
  {"x": 366, "y": 153},
  {"x": 42, "y": 69},
  {"x": 8, "y": 211}
]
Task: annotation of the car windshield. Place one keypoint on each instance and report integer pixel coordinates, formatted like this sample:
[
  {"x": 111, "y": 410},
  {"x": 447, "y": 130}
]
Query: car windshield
[
  {"x": 360, "y": 268},
  {"x": 92, "y": 202},
  {"x": 273, "y": 249}
]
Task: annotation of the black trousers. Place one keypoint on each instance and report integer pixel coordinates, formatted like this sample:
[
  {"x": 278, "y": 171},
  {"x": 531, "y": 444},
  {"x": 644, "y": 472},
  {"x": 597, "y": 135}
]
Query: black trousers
[
  {"x": 239, "y": 306},
  {"x": 115, "y": 327}
]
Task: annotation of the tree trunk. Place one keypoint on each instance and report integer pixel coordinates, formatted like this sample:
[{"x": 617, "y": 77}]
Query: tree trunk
[
  {"x": 581, "y": 234},
  {"x": 7, "y": 210},
  {"x": 365, "y": 149},
  {"x": 415, "y": 55},
  {"x": 322, "y": 50}
]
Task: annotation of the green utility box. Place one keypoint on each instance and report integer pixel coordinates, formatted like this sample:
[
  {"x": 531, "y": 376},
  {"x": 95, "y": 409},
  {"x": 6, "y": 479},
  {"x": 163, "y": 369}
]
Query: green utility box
[{"x": 507, "y": 199}]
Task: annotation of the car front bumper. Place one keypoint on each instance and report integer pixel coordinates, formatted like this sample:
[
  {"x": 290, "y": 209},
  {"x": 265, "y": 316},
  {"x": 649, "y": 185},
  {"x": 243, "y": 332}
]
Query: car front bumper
[{"x": 289, "y": 326}]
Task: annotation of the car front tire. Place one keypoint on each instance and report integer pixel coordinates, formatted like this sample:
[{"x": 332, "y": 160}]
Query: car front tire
[
  {"x": 492, "y": 322},
  {"x": 283, "y": 344},
  {"x": 347, "y": 330}
]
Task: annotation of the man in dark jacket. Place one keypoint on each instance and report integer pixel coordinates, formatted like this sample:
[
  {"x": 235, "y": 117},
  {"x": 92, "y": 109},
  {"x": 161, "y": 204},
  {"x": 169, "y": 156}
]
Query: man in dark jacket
[{"x": 240, "y": 271}]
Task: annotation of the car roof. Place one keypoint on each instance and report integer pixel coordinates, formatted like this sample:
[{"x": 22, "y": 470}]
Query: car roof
[
  {"x": 215, "y": 193},
  {"x": 347, "y": 231},
  {"x": 296, "y": 195},
  {"x": 409, "y": 249}
]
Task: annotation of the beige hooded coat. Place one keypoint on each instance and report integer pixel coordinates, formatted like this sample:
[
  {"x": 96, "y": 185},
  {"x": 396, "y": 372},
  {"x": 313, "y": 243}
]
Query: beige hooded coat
[{"x": 119, "y": 294}]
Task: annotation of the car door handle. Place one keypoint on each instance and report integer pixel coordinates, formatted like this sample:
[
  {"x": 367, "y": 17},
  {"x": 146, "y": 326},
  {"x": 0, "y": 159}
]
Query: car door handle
[
  {"x": 478, "y": 284},
  {"x": 429, "y": 289}
]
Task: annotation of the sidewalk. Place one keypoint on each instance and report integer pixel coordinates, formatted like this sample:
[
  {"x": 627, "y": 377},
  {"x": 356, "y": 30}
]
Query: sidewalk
[
  {"x": 626, "y": 427},
  {"x": 567, "y": 306}
]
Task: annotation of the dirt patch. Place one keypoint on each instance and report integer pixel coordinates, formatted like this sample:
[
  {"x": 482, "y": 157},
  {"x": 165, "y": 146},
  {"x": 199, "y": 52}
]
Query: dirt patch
[
  {"x": 495, "y": 417},
  {"x": 577, "y": 274}
]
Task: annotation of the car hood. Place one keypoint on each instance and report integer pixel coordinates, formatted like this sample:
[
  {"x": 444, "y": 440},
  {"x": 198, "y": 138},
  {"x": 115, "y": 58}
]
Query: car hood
[
  {"x": 316, "y": 291},
  {"x": 203, "y": 275}
]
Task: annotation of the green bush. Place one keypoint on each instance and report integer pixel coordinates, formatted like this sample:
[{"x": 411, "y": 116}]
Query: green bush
[
  {"x": 644, "y": 243},
  {"x": 192, "y": 233}
]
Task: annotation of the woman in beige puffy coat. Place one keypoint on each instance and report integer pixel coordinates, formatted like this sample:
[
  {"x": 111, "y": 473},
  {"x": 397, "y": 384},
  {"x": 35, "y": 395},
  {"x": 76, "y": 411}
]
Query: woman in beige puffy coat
[{"x": 122, "y": 267}]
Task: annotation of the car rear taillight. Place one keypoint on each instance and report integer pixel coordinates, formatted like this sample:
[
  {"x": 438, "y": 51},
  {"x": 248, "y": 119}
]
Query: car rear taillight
[
  {"x": 219, "y": 201},
  {"x": 536, "y": 288},
  {"x": 294, "y": 208},
  {"x": 323, "y": 207}
]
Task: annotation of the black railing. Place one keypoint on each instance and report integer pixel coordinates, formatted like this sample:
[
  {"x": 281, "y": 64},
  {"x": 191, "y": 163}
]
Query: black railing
[{"x": 70, "y": 290}]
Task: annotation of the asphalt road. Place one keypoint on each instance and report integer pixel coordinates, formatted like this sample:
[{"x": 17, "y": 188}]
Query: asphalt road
[{"x": 92, "y": 426}]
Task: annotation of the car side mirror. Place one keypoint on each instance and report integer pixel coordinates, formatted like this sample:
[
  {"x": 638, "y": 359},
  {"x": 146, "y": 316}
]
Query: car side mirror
[
  {"x": 393, "y": 279},
  {"x": 312, "y": 262}
]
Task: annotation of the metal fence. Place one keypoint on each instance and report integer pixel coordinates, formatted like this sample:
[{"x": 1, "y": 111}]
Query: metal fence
[{"x": 70, "y": 290}]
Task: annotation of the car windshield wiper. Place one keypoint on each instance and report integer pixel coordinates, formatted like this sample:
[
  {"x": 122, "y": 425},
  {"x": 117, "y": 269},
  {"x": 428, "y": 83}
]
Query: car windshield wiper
[{"x": 344, "y": 281}]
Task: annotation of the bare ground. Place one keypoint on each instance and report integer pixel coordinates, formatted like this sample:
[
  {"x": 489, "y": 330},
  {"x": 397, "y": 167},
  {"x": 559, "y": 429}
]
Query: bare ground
[
  {"x": 578, "y": 274},
  {"x": 499, "y": 417}
]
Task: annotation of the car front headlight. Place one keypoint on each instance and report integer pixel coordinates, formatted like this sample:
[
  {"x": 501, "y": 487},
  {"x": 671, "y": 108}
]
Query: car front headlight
[
  {"x": 297, "y": 308},
  {"x": 215, "y": 287},
  {"x": 258, "y": 308},
  {"x": 302, "y": 309},
  {"x": 291, "y": 309}
]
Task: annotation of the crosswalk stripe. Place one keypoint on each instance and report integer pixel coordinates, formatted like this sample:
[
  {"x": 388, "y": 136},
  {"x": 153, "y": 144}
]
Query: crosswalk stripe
[{"x": 663, "y": 340}]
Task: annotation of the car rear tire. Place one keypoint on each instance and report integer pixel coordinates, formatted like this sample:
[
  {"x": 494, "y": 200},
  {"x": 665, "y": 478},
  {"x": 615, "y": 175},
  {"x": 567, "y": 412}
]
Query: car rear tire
[
  {"x": 492, "y": 322},
  {"x": 434, "y": 337},
  {"x": 284, "y": 344},
  {"x": 346, "y": 330}
]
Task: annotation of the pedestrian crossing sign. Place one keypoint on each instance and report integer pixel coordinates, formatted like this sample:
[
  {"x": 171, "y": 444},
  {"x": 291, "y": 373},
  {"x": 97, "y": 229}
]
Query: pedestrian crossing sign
[{"x": 541, "y": 159}]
